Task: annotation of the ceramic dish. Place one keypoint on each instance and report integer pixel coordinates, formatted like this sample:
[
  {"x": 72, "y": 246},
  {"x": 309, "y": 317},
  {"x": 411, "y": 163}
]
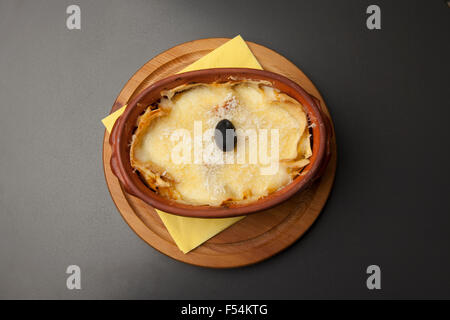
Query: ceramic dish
[{"x": 124, "y": 128}]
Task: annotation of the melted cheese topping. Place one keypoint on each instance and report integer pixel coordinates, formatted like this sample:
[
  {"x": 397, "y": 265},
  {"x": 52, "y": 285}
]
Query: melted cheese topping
[{"x": 249, "y": 106}]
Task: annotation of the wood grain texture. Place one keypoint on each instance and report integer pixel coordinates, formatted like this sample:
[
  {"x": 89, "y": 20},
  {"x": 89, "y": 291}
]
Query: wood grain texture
[{"x": 258, "y": 236}]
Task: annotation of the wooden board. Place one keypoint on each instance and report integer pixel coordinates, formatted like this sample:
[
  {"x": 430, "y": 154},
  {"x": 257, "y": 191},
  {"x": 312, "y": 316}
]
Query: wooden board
[{"x": 258, "y": 236}]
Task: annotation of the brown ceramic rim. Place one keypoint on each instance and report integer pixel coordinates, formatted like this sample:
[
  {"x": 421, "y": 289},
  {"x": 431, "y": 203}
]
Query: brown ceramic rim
[{"x": 124, "y": 128}]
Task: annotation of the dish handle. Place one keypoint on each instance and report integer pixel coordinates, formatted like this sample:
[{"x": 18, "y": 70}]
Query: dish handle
[
  {"x": 114, "y": 161},
  {"x": 328, "y": 137}
]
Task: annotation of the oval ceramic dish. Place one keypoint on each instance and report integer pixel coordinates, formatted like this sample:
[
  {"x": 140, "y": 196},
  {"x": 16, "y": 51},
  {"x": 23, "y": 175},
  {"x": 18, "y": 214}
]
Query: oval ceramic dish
[{"x": 124, "y": 128}]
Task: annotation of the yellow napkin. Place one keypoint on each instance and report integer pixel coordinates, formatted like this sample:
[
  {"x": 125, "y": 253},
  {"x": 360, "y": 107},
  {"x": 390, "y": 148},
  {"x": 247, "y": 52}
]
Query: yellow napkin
[{"x": 189, "y": 233}]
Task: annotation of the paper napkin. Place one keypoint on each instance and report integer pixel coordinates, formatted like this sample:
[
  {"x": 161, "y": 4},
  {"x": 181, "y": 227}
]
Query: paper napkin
[{"x": 189, "y": 233}]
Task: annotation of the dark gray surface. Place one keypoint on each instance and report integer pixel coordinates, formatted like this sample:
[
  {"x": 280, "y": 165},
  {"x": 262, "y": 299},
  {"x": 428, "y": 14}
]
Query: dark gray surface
[{"x": 388, "y": 94}]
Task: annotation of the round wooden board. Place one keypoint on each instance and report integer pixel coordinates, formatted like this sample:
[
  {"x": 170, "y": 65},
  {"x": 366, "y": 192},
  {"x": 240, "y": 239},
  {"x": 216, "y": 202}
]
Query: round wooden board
[{"x": 252, "y": 239}]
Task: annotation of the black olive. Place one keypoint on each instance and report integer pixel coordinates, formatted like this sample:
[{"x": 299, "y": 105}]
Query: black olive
[{"x": 225, "y": 135}]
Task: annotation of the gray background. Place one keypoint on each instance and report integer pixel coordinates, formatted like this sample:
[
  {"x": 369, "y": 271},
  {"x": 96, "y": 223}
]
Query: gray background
[{"x": 387, "y": 91}]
